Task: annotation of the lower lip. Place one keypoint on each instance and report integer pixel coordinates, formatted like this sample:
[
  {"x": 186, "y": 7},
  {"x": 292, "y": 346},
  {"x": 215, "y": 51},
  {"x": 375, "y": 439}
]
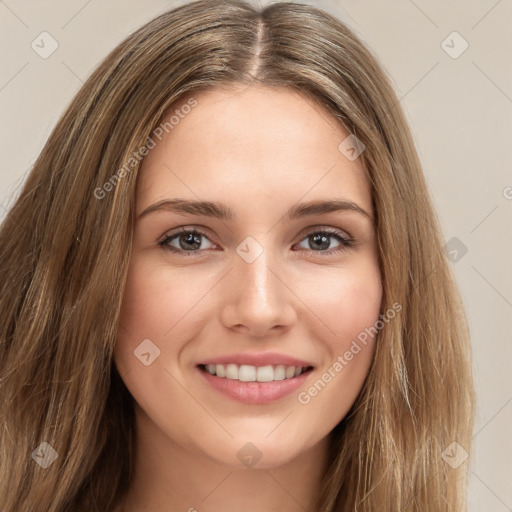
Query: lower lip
[{"x": 255, "y": 392}]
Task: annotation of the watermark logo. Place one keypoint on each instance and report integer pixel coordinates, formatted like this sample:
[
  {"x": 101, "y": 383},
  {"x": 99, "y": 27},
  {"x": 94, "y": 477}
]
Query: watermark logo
[
  {"x": 249, "y": 250},
  {"x": 249, "y": 455},
  {"x": 44, "y": 45},
  {"x": 454, "y": 45},
  {"x": 44, "y": 455},
  {"x": 146, "y": 352},
  {"x": 454, "y": 455},
  {"x": 455, "y": 249},
  {"x": 351, "y": 147}
]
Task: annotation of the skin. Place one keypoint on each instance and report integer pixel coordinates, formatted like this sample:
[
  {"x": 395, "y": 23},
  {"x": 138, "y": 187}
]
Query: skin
[{"x": 259, "y": 150}]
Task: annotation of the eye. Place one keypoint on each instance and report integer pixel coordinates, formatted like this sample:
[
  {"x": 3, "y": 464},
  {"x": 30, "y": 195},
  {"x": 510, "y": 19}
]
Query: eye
[
  {"x": 320, "y": 240},
  {"x": 190, "y": 241},
  {"x": 187, "y": 241}
]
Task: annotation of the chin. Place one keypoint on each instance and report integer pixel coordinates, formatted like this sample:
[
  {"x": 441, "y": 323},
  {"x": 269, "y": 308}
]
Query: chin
[{"x": 258, "y": 453}]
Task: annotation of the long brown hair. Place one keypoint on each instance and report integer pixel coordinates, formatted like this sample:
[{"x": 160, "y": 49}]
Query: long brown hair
[{"x": 65, "y": 247}]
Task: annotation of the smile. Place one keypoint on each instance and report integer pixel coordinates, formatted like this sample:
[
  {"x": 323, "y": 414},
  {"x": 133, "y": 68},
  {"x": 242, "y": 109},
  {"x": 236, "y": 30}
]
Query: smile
[{"x": 254, "y": 384}]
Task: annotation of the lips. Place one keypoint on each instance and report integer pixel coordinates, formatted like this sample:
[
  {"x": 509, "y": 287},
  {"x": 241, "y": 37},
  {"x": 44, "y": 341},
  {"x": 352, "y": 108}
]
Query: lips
[{"x": 255, "y": 378}]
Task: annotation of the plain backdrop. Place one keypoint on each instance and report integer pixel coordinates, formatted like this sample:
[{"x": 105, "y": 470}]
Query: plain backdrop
[{"x": 451, "y": 67}]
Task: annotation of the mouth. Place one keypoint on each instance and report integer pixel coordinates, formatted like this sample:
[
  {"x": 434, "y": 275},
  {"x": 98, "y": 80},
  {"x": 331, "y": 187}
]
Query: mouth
[{"x": 255, "y": 384}]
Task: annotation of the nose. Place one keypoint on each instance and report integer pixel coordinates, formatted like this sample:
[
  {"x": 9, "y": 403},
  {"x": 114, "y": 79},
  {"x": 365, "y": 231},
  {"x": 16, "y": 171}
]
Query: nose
[{"x": 258, "y": 299}]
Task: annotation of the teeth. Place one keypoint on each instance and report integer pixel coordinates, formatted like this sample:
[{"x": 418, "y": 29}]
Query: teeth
[
  {"x": 280, "y": 372},
  {"x": 290, "y": 372},
  {"x": 265, "y": 374},
  {"x": 220, "y": 370},
  {"x": 231, "y": 371},
  {"x": 248, "y": 373}
]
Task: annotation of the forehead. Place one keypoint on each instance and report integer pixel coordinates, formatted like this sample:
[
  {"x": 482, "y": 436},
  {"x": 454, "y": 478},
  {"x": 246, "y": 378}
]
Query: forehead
[{"x": 243, "y": 142}]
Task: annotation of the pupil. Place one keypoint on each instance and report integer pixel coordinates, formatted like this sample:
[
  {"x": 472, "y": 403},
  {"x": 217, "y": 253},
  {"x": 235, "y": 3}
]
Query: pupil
[
  {"x": 191, "y": 238},
  {"x": 321, "y": 239}
]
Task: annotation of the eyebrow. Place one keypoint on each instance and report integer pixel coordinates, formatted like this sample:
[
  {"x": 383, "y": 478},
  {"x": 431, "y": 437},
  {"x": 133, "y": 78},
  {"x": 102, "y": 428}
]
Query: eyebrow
[{"x": 223, "y": 212}]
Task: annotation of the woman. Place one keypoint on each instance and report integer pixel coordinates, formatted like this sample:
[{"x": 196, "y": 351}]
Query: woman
[{"x": 223, "y": 284}]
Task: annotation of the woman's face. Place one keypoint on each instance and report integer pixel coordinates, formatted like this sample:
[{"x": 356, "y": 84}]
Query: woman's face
[{"x": 267, "y": 283}]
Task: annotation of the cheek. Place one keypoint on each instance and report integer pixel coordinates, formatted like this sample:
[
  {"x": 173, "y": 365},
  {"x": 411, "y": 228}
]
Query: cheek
[
  {"x": 349, "y": 308},
  {"x": 162, "y": 306},
  {"x": 155, "y": 301},
  {"x": 147, "y": 313},
  {"x": 345, "y": 303},
  {"x": 154, "y": 311},
  {"x": 354, "y": 307},
  {"x": 147, "y": 305}
]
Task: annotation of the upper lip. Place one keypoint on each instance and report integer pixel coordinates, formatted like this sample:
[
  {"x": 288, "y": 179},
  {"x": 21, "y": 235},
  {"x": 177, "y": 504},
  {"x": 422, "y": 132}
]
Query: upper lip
[{"x": 253, "y": 359}]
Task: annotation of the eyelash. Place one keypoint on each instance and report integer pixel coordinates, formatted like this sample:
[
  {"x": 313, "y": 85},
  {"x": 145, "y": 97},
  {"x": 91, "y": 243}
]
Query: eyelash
[{"x": 346, "y": 242}]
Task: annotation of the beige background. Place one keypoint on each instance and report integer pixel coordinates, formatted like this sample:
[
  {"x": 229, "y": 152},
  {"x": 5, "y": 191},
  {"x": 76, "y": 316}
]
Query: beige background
[{"x": 460, "y": 110}]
